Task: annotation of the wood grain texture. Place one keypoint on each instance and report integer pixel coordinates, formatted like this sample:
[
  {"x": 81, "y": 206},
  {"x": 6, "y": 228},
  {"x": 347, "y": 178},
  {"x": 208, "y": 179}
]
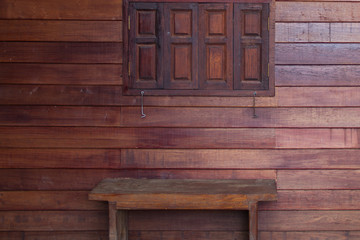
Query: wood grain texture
[
  {"x": 188, "y": 220},
  {"x": 72, "y": 137},
  {"x": 60, "y": 52},
  {"x": 53, "y": 220},
  {"x": 48, "y": 200},
  {"x": 318, "y": 96},
  {"x": 314, "y": 200},
  {"x": 189, "y": 235},
  {"x": 240, "y": 158},
  {"x": 69, "y": 74},
  {"x": 324, "y": 75},
  {"x": 240, "y": 117},
  {"x": 59, "y": 116},
  {"x": 75, "y": 31},
  {"x": 57, "y": 9},
  {"x": 317, "y": 53},
  {"x": 317, "y": 32},
  {"x": 310, "y": 235},
  {"x": 317, "y": 11},
  {"x": 12, "y": 235},
  {"x": 318, "y": 179},
  {"x": 85, "y": 180},
  {"x": 66, "y": 235},
  {"x": 309, "y": 220},
  {"x": 60, "y": 158},
  {"x": 112, "y": 95}
]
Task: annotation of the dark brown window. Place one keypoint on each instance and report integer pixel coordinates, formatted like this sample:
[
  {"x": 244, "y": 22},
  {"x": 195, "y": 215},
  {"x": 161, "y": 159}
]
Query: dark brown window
[{"x": 193, "y": 48}]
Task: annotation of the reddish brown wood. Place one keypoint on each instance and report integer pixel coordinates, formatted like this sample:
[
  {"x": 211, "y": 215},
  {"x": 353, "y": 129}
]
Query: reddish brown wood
[
  {"x": 188, "y": 235},
  {"x": 339, "y": 235},
  {"x": 325, "y": 75},
  {"x": 66, "y": 235},
  {"x": 57, "y": 9},
  {"x": 240, "y": 158},
  {"x": 59, "y": 52},
  {"x": 331, "y": 53},
  {"x": 47, "y": 200},
  {"x": 314, "y": 200},
  {"x": 79, "y": 180},
  {"x": 53, "y": 220},
  {"x": 12, "y": 235},
  {"x": 309, "y": 220},
  {"x": 60, "y": 158},
  {"x": 69, "y": 74},
  {"x": 76, "y": 31},
  {"x": 317, "y": 11}
]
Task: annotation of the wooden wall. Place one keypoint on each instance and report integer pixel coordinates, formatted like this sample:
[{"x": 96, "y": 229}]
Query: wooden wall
[{"x": 64, "y": 126}]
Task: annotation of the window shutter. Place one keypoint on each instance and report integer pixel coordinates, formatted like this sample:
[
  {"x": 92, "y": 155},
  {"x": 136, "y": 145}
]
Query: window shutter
[
  {"x": 215, "y": 46},
  {"x": 251, "y": 46},
  {"x": 145, "y": 40}
]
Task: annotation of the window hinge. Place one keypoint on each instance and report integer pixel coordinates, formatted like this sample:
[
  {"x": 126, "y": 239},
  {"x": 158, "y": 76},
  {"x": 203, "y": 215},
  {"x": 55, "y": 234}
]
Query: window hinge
[
  {"x": 129, "y": 23},
  {"x": 129, "y": 69},
  {"x": 268, "y": 23}
]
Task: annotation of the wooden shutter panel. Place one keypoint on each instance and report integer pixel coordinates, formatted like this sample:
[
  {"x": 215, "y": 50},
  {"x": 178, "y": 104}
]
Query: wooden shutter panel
[
  {"x": 145, "y": 38},
  {"x": 216, "y": 46},
  {"x": 251, "y": 46},
  {"x": 180, "y": 48}
]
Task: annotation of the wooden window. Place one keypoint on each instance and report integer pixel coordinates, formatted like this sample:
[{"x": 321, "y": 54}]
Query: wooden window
[{"x": 197, "y": 48}]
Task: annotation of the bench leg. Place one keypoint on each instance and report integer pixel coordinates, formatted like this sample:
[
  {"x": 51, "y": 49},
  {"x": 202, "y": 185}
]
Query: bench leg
[
  {"x": 118, "y": 223},
  {"x": 253, "y": 221}
]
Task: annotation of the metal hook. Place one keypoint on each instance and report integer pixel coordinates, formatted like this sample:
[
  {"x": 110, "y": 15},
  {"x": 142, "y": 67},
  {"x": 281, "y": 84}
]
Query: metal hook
[
  {"x": 143, "y": 115},
  {"x": 254, "y": 113}
]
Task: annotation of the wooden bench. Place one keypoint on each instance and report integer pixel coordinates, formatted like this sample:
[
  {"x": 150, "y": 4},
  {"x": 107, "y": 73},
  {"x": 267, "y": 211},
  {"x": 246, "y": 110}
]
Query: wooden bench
[{"x": 150, "y": 194}]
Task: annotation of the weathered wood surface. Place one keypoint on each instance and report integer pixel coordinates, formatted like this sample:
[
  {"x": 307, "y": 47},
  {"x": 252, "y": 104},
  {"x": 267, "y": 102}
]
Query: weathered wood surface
[
  {"x": 56, "y": 9},
  {"x": 135, "y": 194},
  {"x": 53, "y": 220},
  {"x": 189, "y": 235},
  {"x": 75, "y": 31},
  {"x": 66, "y": 235},
  {"x": 310, "y": 235},
  {"x": 60, "y": 158},
  {"x": 314, "y": 200},
  {"x": 64, "y": 179},
  {"x": 318, "y": 179},
  {"x": 48, "y": 200},
  {"x": 317, "y": 11},
  {"x": 317, "y": 32},
  {"x": 240, "y": 158},
  {"x": 313, "y": 75},
  {"x": 317, "y": 53},
  {"x": 61, "y": 52},
  {"x": 309, "y": 220},
  {"x": 66, "y": 74}
]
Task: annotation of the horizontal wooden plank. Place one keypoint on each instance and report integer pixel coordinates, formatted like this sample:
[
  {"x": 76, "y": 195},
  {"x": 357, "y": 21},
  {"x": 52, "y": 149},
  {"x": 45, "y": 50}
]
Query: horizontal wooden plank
[
  {"x": 318, "y": 179},
  {"x": 48, "y": 200},
  {"x": 178, "y": 117},
  {"x": 70, "y": 179},
  {"x": 79, "y": 137},
  {"x": 57, "y": 9},
  {"x": 188, "y": 235},
  {"x": 317, "y": 32},
  {"x": 309, "y": 220},
  {"x": 111, "y": 95},
  {"x": 314, "y": 200},
  {"x": 312, "y": 75},
  {"x": 12, "y": 235},
  {"x": 53, "y": 220},
  {"x": 66, "y": 235},
  {"x": 189, "y": 220},
  {"x": 61, "y": 52},
  {"x": 308, "y": 235},
  {"x": 59, "y": 116},
  {"x": 240, "y": 158},
  {"x": 230, "y": 117},
  {"x": 60, "y": 158},
  {"x": 317, "y": 53},
  {"x": 75, "y": 31},
  {"x": 317, "y": 11},
  {"x": 69, "y": 74},
  {"x": 318, "y": 96}
]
